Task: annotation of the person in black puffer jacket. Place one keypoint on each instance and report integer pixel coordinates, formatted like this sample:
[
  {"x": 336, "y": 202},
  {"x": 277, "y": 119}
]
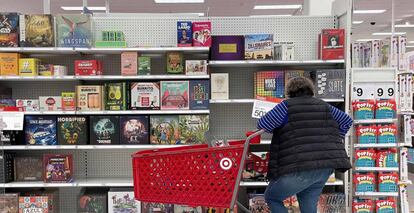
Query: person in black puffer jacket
[{"x": 307, "y": 146}]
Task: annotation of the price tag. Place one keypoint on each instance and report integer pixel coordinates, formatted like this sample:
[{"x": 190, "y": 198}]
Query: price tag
[
  {"x": 11, "y": 120},
  {"x": 373, "y": 90},
  {"x": 260, "y": 108}
]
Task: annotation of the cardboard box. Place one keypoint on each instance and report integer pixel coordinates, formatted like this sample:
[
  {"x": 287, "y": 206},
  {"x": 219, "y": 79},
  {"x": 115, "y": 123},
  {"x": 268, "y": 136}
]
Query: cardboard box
[
  {"x": 284, "y": 51},
  {"x": 50, "y": 103},
  {"x": 129, "y": 63},
  {"x": 68, "y": 101},
  {"x": 88, "y": 67},
  {"x": 28, "y": 104},
  {"x": 28, "y": 66},
  {"x": 46, "y": 70},
  {"x": 89, "y": 98},
  {"x": 9, "y": 63},
  {"x": 59, "y": 70}
]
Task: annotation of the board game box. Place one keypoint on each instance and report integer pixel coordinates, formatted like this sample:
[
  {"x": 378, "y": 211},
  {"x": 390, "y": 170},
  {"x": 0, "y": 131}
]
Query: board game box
[
  {"x": 145, "y": 95},
  {"x": 387, "y": 133},
  {"x": 157, "y": 207},
  {"x": 93, "y": 201},
  {"x": 363, "y": 206},
  {"x": 219, "y": 86},
  {"x": 28, "y": 104},
  {"x": 9, "y": 63},
  {"x": 89, "y": 98},
  {"x": 40, "y": 130},
  {"x": 115, "y": 96},
  {"x": 385, "y": 108},
  {"x": 9, "y": 29},
  {"x": 284, "y": 51},
  {"x": 72, "y": 130},
  {"x": 258, "y": 46},
  {"x": 174, "y": 95},
  {"x": 332, "y": 44},
  {"x": 387, "y": 158},
  {"x": 33, "y": 204},
  {"x": 365, "y": 157},
  {"x": 122, "y": 201},
  {"x": 365, "y": 182},
  {"x": 367, "y": 134},
  {"x": 387, "y": 205},
  {"x": 185, "y": 209},
  {"x": 184, "y": 33},
  {"x": 129, "y": 63},
  {"x": 74, "y": 30},
  {"x": 220, "y": 210},
  {"x": 165, "y": 129},
  {"x": 134, "y": 129},
  {"x": 199, "y": 94},
  {"x": 7, "y": 167},
  {"x": 202, "y": 34},
  {"x": 227, "y": 47},
  {"x": 330, "y": 83},
  {"x": 289, "y": 74},
  {"x": 193, "y": 128},
  {"x": 363, "y": 109},
  {"x": 257, "y": 203},
  {"x": 144, "y": 65},
  {"x": 88, "y": 67},
  {"x": 28, "y": 168},
  {"x": 269, "y": 84},
  {"x": 256, "y": 166},
  {"x": 50, "y": 103},
  {"x": 175, "y": 63},
  {"x": 36, "y": 31},
  {"x": 9, "y": 203},
  {"x": 104, "y": 130},
  {"x": 388, "y": 182},
  {"x": 68, "y": 101},
  {"x": 196, "y": 67},
  {"x": 45, "y": 69},
  {"x": 58, "y": 168},
  {"x": 29, "y": 66}
]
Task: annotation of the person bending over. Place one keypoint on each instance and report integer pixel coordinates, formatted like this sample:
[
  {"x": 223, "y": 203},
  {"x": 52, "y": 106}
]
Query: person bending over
[{"x": 307, "y": 146}]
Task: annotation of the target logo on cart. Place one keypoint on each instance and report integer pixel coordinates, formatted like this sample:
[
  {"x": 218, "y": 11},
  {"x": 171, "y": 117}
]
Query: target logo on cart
[{"x": 226, "y": 163}]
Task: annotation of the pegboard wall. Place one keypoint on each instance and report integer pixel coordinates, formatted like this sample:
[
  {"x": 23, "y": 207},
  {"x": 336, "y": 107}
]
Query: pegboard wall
[{"x": 162, "y": 31}]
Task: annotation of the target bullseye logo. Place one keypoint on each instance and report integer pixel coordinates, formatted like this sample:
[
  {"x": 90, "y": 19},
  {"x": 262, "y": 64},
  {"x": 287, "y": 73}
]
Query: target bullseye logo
[{"x": 226, "y": 163}]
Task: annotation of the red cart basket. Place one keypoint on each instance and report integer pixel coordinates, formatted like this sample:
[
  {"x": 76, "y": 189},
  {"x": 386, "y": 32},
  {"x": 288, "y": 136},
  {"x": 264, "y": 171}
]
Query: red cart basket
[{"x": 196, "y": 175}]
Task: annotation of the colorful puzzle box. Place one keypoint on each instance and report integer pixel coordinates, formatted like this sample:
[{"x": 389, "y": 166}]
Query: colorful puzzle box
[{"x": 269, "y": 84}]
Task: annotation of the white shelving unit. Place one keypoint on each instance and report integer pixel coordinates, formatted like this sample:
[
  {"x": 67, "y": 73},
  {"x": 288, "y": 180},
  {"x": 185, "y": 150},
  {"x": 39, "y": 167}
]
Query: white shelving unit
[
  {"x": 375, "y": 121},
  {"x": 377, "y": 194},
  {"x": 248, "y": 101},
  {"x": 123, "y": 112},
  {"x": 86, "y": 147},
  {"x": 65, "y": 51},
  {"x": 102, "y": 78},
  {"x": 235, "y": 63},
  {"x": 376, "y": 169},
  {"x": 263, "y": 184}
]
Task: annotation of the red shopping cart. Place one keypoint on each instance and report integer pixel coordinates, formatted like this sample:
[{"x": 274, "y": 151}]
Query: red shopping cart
[{"x": 196, "y": 175}]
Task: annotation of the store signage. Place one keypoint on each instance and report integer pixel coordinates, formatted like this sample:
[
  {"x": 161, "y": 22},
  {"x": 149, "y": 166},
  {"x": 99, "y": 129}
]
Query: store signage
[
  {"x": 373, "y": 90},
  {"x": 260, "y": 108},
  {"x": 11, "y": 120}
]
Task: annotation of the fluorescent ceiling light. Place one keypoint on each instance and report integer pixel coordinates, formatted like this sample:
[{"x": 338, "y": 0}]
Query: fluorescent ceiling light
[
  {"x": 81, "y": 8},
  {"x": 284, "y": 15},
  {"x": 357, "y": 22},
  {"x": 369, "y": 11},
  {"x": 385, "y": 34},
  {"x": 278, "y": 7},
  {"x": 177, "y": 1},
  {"x": 406, "y": 25},
  {"x": 411, "y": 42},
  {"x": 408, "y": 46}
]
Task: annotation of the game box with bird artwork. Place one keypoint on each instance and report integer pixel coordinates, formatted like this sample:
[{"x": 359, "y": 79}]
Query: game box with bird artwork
[{"x": 74, "y": 30}]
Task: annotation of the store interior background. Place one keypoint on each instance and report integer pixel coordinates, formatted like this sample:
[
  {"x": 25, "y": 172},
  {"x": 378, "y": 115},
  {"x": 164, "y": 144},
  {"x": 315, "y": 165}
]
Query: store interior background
[{"x": 365, "y": 24}]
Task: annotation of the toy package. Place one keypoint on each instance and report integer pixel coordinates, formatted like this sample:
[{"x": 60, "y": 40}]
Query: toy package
[
  {"x": 387, "y": 205},
  {"x": 387, "y": 158},
  {"x": 196, "y": 67},
  {"x": 365, "y": 158},
  {"x": 9, "y": 29},
  {"x": 145, "y": 95},
  {"x": 199, "y": 94},
  {"x": 269, "y": 84},
  {"x": 174, "y": 95},
  {"x": 367, "y": 134},
  {"x": 9, "y": 203},
  {"x": 175, "y": 63},
  {"x": 57, "y": 168},
  {"x": 93, "y": 201},
  {"x": 33, "y": 204},
  {"x": 157, "y": 207},
  {"x": 388, "y": 182},
  {"x": 193, "y": 128},
  {"x": 385, "y": 108},
  {"x": 29, "y": 66},
  {"x": 165, "y": 129},
  {"x": 40, "y": 130},
  {"x": 9, "y": 63},
  {"x": 123, "y": 201},
  {"x": 332, "y": 44},
  {"x": 72, "y": 130},
  {"x": 257, "y": 203},
  {"x": 89, "y": 98},
  {"x": 68, "y": 101},
  {"x": 363, "y": 206},
  {"x": 129, "y": 63},
  {"x": 50, "y": 103},
  {"x": 28, "y": 168},
  {"x": 363, "y": 109},
  {"x": 256, "y": 166},
  {"x": 134, "y": 129},
  {"x": 88, "y": 67},
  {"x": 387, "y": 133},
  {"x": 258, "y": 46},
  {"x": 74, "y": 30},
  {"x": 28, "y": 105},
  {"x": 202, "y": 34},
  {"x": 104, "y": 130},
  {"x": 115, "y": 96},
  {"x": 184, "y": 34},
  {"x": 365, "y": 182},
  {"x": 37, "y": 31},
  {"x": 144, "y": 65}
]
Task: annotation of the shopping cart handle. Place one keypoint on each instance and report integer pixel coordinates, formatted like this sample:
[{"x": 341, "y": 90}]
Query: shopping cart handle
[{"x": 255, "y": 134}]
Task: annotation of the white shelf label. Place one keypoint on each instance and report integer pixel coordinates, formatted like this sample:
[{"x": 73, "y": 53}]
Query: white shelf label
[
  {"x": 11, "y": 120},
  {"x": 260, "y": 108}
]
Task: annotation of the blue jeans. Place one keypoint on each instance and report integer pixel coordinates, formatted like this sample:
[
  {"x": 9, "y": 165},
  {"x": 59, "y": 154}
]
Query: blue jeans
[{"x": 306, "y": 185}]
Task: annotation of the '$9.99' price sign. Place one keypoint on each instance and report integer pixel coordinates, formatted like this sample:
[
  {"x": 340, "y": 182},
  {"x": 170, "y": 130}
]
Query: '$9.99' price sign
[{"x": 370, "y": 90}]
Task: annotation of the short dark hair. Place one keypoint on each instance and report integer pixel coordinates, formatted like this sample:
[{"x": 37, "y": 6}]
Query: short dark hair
[{"x": 299, "y": 86}]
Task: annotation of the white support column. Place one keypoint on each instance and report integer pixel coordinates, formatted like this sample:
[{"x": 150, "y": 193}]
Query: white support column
[
  {"x": 317, "y": 7},
  {"x": 84, "y": 3},
  {"x": 46, "y": 6},
  {"x": 107, "y": 6}
]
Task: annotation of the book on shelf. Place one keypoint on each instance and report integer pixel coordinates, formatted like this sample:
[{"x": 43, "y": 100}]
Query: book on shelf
[
  {"x": 129, "y": 63},
  {"x": 219, "y": 86},
  {"x": 175, "y": 62},
  {"x": 184, "y": 34},
  {"x": 144, "y": 65},
  {"x": 29, "y": 66},
  {"x": 202, "y": 34}
]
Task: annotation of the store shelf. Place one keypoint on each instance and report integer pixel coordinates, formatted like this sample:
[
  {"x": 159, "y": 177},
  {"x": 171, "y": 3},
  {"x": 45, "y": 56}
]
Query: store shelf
[
  {"x": 64, "y": 50},
  {"x": 102, "y": 77},
  {"x": 238, "y": 101},
  {"x": 40, "y": 50},
  {"x": 377, "y": 194},
  {"x": 242, "y": 63},
  {"x": 85, "y": 147},
  {"x": 123, "y": 112},
  {"x": 376, "y": 169},
  {"x": 375, "y": 121},
  {"x": 377, "y": 145},
  {"x": 263, "y": 183}
]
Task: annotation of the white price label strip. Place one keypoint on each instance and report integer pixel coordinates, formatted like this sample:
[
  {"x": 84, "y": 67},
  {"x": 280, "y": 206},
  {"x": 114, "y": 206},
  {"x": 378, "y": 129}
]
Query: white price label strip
[
  {"x": 373, "y": 90},
  {"x": 11, "y": 120},
  {"x": 260, "y": 108}
]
